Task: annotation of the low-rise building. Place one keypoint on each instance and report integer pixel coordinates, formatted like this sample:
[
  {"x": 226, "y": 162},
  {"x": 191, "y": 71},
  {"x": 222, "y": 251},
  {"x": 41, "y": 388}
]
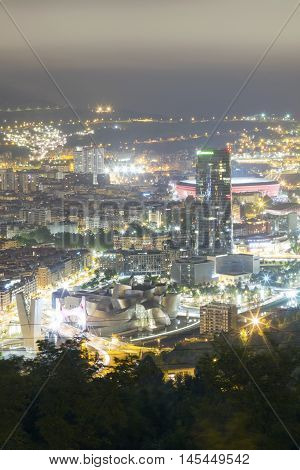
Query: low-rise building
[
  {"x": 8, "y": 244},
  {"x": 40, "y": 217},
  {"x": 193, "y": 271},
  {"x": 141, "y": 262},
  {"x": 262, "y": 245},
  {"x": 155, "y": 241},
  {"x": 201, "y": 269},
  {"x": 237, "y": 263}
]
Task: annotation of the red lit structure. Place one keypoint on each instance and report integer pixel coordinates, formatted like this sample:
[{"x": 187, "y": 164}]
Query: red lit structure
[{"x": 239, "y": 185}]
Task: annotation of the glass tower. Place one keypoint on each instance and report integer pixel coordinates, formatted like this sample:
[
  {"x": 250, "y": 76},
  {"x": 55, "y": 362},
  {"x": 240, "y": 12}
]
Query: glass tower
[{"x": 213, "y": 191}]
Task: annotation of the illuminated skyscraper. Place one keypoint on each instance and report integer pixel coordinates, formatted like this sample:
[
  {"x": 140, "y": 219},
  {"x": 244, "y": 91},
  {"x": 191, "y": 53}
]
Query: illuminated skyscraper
[
  {"x": 89, "y": 160},
  {"x": 213, "y": 190}
]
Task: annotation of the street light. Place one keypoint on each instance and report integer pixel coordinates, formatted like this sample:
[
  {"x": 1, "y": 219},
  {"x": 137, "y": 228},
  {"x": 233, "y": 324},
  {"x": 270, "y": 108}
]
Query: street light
[{"x": 255, "y": 321}]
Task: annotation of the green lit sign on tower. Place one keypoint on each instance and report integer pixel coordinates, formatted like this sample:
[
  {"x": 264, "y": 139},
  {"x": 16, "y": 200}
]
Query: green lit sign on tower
[{"x": 204, "y": 152}]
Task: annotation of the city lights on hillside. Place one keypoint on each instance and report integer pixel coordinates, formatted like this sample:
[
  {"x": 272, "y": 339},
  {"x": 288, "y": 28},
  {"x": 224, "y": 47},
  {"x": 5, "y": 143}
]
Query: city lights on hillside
[{"x": 39, "y": 139}]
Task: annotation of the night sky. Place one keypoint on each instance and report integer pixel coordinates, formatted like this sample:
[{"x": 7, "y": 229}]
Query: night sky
[{"x": 165, "y": 56}]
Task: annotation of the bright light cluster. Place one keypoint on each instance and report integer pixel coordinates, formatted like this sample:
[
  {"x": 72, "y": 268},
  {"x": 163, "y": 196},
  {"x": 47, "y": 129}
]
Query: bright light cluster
[
  {"x": 104, "y": 109},
  {"x": 126, "y": 169},
  {"x": 39, "y": 139}
]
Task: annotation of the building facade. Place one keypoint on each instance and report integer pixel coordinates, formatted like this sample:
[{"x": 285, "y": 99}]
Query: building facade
[
  {"x": 216, "y": 318},
  {"x": 237, "y": 263},
  {"x": 89, "y": 160},
  {"x": 213, "y": 190},
  {"x": 193, "y": 271}
]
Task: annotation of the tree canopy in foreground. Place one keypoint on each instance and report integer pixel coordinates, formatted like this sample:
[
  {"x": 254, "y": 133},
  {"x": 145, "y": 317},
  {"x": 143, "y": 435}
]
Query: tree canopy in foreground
[{"x": 226, "y": 405}]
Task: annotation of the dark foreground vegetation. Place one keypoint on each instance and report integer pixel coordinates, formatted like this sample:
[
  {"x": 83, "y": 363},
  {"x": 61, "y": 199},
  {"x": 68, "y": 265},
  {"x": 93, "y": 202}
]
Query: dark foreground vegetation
[{"x": 225, "y": 406}]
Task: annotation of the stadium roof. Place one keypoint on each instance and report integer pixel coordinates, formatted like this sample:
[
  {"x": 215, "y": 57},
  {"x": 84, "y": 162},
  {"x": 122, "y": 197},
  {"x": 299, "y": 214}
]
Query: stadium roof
[{"x": 238, "y": 180}]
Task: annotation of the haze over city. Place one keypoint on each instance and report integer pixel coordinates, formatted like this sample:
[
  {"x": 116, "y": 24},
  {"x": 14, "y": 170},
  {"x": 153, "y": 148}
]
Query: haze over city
[{"x": 159, "y": 57}]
